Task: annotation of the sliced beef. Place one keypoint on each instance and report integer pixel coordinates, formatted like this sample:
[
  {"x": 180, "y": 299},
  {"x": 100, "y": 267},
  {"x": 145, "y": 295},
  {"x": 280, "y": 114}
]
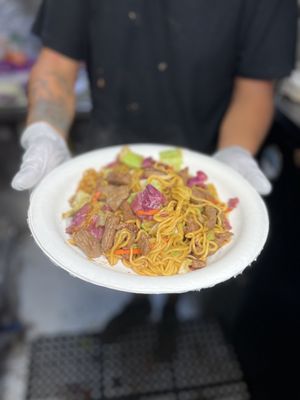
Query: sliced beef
[
  {"x": 119, "y": 178},
  {"x": 100, "y": 183},
  {"x": 87, "y": 243},
  {"x": 200, "y": 194},
  {"x": 115, "y": 195},
  {"x": 211, "y": 214},
  {"x": 199, "y": 249},
  {"x": 191, "y": 226},
  {"x": 127, "y": 211},
  {"x": 152, "y": 171},
  {"x": 222, "y": 238},
  {"x": 133, "y": 229},
  {"x": 110, "y": 229},
  {"x": 184, "y": 173},
  {"x": 78, "y": 219},
  {"x": 144, "y": 243},
  {"x": 197, "y": 264}
]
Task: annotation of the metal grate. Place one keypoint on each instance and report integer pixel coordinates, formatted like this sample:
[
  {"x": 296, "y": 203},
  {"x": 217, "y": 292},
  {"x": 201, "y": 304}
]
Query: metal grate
[{"x": 202, "y": 366}]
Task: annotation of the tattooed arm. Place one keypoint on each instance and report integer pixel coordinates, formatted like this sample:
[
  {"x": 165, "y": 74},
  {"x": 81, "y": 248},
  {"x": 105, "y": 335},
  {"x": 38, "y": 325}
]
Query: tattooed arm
[
  {"x": 51, "y": 90},
  {"x": 51, "y": 112}
]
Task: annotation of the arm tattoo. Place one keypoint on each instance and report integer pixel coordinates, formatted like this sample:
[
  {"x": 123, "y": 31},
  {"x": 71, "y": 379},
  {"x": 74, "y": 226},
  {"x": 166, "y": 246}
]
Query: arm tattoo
[
  {"x": 51, "y": 99},
  {"x": 53, "y": 111}
]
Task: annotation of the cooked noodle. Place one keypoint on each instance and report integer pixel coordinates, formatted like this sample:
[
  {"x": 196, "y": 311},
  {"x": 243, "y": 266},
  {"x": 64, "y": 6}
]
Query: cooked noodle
[{"x": 172, "y": 247}]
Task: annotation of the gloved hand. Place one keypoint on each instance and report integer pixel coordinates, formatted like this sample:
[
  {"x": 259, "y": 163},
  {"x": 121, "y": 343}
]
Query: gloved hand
[
  {"x": 44, "y": 150},
  {"x": 242, "y": 161}
]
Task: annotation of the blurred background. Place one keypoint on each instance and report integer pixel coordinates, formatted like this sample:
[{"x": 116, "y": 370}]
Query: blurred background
[{"x": 238, "y": 340}]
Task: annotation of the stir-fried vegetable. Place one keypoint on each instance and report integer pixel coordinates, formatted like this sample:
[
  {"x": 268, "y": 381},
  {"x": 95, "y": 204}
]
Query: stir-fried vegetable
[
  {"x": 130, "y": 158},
  {"x": 172, "y": 157}
]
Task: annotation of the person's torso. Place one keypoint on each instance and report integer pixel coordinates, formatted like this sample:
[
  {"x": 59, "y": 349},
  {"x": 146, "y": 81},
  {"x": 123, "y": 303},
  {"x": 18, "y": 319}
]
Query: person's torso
[{"x": 162, "y": 70}]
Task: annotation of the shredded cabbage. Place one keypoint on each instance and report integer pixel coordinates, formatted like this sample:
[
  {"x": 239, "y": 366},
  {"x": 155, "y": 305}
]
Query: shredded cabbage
[
  {"x": 212, "y": 190},
  {"x": 156, "y": 184},
  {"x": 130, "y": 158},
  {"x": 210, "y": 235},
  {"x": 131, "y": 197},
  {"x": 172, "y": 157},
  {"x": 79, "y": 200}
]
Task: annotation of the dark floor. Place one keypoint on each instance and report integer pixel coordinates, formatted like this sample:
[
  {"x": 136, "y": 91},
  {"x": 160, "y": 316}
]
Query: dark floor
[{"x": 201, "y": 365}]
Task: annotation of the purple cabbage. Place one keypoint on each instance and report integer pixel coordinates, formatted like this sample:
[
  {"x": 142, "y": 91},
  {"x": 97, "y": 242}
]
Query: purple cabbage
[
  {"x": 226, "y": 223},
  {"x": 148, "y": 162},
  {"x": 106, "y": 207},
  {"x": 149, "y": 199},
  {"x": 112, "y": 164},
  {"x": 94, "y": 230},
  {"x": 78, "y": 218},
  {"x": 232, "y": 203},
  {"x": 197, "y": 180}
]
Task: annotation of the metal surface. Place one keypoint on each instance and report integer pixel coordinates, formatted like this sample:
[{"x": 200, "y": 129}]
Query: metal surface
[{"x": 202, "y": 366}]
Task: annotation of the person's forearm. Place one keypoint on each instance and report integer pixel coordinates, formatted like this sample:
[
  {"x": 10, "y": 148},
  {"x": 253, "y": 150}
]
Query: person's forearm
[
  {"x": 51, "y": 98},
  {"x": 249, "y": 116}
]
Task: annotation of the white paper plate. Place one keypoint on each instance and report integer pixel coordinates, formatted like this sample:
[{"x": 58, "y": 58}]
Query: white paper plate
[{"x": 50, "y": 199}]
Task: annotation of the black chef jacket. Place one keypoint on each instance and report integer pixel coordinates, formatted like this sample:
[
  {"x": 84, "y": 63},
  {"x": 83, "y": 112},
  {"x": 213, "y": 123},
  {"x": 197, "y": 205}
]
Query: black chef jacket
[{"x": 163, "y": 70}]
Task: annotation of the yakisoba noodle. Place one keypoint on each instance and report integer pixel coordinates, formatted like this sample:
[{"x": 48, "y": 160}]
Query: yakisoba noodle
[
  {"x": 154, "y": 217},
  {"x": 170, "y": 249}
]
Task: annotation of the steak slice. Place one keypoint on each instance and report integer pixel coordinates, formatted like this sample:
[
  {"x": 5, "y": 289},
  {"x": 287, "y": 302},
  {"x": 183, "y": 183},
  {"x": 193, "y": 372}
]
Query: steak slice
[
  {"x": 133, "y": 230},
  {"x": 191, "y": 226},
  {"x": 147, "y": 172},
  {"x": 87, "y": 243},
  {"x": 184, "y": 173},
  {"x": 127, "y": 211},
  {"x": 119, "y": 178},
  {"x": 211, "y": 214},
  {"x": 199, "y": 194},
  {"x": 197, "y": 264},
  {"x": 144, "y": 243},
  {"x": 115, "y": 195},
  {"x": 110, "y": 229},
  {"x": 222, "y": 238}
]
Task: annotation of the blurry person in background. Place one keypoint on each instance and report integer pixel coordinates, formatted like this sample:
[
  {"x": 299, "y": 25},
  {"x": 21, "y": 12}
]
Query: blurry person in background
[
  {"x": 198, "y": 74},
  {"x": 192, "y": 73}
]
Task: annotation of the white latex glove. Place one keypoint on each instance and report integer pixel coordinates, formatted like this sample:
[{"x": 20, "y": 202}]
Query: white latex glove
[
  {"x": 242, "y": 161},
  {"x": 44, "y": 150}
]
